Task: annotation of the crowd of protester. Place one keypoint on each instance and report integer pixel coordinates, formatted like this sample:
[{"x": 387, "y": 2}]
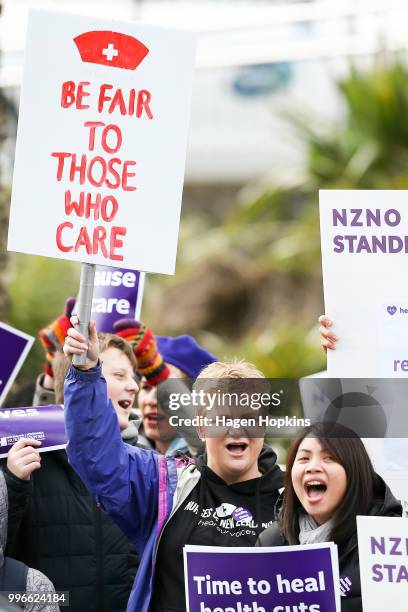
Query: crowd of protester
[{"x": 107, "y": 519}]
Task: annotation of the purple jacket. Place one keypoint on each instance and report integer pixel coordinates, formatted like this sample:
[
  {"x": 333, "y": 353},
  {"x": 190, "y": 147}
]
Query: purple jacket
[{"x": 137, "y": 487}]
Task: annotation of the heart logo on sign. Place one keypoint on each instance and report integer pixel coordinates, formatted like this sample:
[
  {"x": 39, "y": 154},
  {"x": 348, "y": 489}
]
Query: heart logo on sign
[{"x": 392, "y": 310}]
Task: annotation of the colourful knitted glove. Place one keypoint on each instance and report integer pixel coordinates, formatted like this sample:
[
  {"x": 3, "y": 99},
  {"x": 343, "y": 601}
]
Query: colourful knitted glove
[
  {"x": 149, "y": 361},
  {"x": 53, "y": 335}
]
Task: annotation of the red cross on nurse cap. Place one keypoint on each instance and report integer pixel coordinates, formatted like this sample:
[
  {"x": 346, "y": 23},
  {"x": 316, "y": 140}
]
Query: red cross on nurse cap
[{"x": 111, "y": 49}]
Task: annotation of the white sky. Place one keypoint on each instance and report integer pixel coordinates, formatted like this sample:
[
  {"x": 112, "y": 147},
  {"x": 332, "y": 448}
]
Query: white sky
[{"x": 235, "y": 137}]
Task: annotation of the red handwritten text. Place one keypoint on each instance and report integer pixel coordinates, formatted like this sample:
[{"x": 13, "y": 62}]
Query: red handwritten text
[
  {"x": 100, "y": 167},
  {"x": 132, "y": 103},
  {"x": 101, "y": 240},
  {"x": 97, "y": 171}
]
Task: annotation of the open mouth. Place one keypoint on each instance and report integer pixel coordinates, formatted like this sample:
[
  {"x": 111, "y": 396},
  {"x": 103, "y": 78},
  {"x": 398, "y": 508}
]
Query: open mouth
[
  {"x": 125, "y": 404},
  {"x": 153, "y": 419},
  {"x": 315, "y": 489},
  {"x": 236, "y": 448}
]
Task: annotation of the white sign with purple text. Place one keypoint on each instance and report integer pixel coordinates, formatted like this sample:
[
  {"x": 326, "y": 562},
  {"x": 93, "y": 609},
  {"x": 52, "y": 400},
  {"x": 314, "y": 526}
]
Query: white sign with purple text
[
  {"x": 364, "y": 237},
  {"x": 383, "y": 553}
]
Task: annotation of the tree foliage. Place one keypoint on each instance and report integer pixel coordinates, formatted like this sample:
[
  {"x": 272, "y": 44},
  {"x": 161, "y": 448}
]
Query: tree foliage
[
  {"x": 273, "y": 230},
  {"x": 251, "y": 285}
]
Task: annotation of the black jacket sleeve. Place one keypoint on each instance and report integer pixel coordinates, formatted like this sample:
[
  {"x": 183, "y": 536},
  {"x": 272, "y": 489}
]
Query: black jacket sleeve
[{"x": 19, "y": 492}]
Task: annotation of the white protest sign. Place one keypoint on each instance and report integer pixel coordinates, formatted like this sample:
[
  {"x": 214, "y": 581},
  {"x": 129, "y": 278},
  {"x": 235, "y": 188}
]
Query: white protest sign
[
  {"x": 383, "y": 553},
  {"x": 364, "y": 237},
  {"x": 101, "y": 142}
]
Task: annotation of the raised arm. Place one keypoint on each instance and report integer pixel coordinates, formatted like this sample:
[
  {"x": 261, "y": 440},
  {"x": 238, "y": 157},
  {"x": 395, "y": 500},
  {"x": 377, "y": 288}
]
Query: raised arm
[{"x": 124, "y": 479}]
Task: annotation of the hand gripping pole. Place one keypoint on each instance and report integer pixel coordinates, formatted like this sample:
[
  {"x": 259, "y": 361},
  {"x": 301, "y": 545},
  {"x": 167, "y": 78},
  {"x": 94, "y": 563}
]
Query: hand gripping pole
[{"x": 84, "y": 305}]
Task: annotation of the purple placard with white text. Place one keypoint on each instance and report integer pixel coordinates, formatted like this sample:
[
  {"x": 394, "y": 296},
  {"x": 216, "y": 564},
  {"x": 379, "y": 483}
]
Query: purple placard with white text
[
  {"x": 262, "y": 579},
  {"x": 118, "y": 294},
  {"x": 43, "y": 423},
  {"x": 14, "y": 347}
]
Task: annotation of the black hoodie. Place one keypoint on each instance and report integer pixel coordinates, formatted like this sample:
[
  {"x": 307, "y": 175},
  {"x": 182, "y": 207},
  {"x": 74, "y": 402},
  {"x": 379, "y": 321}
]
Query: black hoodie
[
  {"x": 214, "y": 514},
  {"x": 385, "y": 504},
  {"x": 57, "y": 528}
]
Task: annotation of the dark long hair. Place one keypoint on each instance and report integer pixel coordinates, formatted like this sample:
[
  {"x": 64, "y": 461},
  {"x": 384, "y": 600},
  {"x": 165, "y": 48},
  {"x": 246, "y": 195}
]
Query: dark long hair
[{"x": 349, "y": 451}]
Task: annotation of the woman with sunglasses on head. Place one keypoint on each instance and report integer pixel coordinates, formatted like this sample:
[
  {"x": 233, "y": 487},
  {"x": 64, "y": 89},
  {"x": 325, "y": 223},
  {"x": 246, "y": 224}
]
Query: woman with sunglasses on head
[{"x": 329, "y": 481}]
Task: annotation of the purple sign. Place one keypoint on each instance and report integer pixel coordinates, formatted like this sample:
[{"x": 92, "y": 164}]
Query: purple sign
[
  {"x": 117, "y": 294},
  {"x": 44, "y": 423},
  {"x": 14, "y": 347},
  {"x": 303, "y": 578}
]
